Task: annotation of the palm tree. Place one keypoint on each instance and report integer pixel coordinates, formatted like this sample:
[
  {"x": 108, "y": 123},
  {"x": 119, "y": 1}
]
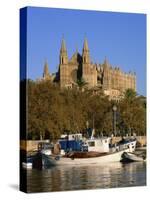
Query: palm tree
[
  {"x": 130, "y": 94},
  {"x": 81, "y": 83}
]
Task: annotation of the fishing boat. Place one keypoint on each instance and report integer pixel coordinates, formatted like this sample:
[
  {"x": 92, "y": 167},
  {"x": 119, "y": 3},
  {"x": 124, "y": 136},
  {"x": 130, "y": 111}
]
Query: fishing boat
[
  {"x": 71, "y": 160},
  {"x": 91, "y": 151}
]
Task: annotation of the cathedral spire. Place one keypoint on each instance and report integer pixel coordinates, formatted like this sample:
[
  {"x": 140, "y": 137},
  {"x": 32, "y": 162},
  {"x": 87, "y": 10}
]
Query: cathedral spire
[
  {"x": 106, "y": 63},
  {"x": 85, "y": 45},
  {"x": 63, "y": 46},
  {"x": 46, "y": 70},
  {"x": 85, "y": 53},
  {"x": 76, "y": 49},
  {"x": 63, "y": 53}
]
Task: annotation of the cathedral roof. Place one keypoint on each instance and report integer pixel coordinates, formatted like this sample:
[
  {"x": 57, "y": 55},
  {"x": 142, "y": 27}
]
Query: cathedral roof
[{"x": 74, "y": 58}]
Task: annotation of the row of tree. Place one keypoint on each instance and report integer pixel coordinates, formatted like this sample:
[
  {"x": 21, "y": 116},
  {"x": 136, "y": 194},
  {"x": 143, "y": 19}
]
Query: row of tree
[{"x": 52, "y": 112}]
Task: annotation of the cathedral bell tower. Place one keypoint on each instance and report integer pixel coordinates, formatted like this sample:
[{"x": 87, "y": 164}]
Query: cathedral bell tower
[
  {"x": 63, "y": 53},
  {"x": 86, "y": 65},
  {"x": 63, "y": 65},
  {"x": 86, "y": 53},
  {"x": 106, "y": 75}
]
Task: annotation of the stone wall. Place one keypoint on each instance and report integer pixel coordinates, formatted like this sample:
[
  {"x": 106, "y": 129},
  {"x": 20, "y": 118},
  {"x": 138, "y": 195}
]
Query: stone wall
[{"x": 30, "y": 145}]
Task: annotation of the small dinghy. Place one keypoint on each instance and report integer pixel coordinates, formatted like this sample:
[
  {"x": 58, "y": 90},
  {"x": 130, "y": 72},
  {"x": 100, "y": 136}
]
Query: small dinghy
[
  {"x": 27, "y": 165},
  {"x": 131, "y": 157}
]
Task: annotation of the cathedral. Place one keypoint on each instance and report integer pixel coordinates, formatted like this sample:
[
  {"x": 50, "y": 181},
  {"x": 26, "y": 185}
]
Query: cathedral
[{"x": 95, "y": 76}]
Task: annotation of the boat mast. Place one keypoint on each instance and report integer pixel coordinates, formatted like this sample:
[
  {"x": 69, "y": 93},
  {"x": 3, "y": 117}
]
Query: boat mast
[{"x": 93, "y": 131}]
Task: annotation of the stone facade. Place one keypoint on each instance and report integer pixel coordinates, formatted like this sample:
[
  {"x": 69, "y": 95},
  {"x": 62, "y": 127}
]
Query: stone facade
[{"x": 111, "y": 80}]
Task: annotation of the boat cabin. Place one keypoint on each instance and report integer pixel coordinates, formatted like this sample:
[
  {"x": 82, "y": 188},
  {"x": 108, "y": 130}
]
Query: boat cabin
[
  {"x": 98, "y": 144},
  {"x": 72, "y": 142},
  {"x": 76, "y": 136}
]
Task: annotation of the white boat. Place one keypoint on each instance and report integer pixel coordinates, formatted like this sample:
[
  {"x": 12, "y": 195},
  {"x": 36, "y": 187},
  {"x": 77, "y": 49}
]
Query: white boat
[
  {"x": 131, "y": 157},
  {"x": 107, "y": 158},
  {"x": 99, "y": 147}
]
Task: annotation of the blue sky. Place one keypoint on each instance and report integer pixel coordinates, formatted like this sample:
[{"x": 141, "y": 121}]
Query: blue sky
[{"x": 121, "y": 37}]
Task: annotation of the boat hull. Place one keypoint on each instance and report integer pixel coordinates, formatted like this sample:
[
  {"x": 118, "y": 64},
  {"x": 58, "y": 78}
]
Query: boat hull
[
  {"x": 44, "y": 161},
  {"x": 130, "y": 157},
  {"x": 113, "y": 157},
  {"x": 26, "y": 165}
]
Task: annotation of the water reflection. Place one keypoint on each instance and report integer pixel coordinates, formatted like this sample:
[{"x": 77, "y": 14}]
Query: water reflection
[{"x": 87, "y": 177}]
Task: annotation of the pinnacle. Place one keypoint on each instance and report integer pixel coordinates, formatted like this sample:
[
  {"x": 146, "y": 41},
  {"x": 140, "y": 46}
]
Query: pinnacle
[
  {"x": 85, "y": 46},
  {"x": 46, "y": 71},
  {"x": 63, "y": 46}
]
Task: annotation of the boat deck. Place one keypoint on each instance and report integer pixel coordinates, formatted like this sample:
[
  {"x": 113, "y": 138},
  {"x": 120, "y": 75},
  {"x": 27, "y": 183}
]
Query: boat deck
[{"x": 90, "y": 154}]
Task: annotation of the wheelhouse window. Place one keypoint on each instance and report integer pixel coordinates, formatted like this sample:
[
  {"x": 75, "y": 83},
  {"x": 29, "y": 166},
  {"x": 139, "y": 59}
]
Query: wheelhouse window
[{"x": 91, "y": 144}]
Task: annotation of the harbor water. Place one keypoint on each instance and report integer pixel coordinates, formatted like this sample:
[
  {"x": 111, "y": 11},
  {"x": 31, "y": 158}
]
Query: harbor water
[{"x": 64, "y": 178}]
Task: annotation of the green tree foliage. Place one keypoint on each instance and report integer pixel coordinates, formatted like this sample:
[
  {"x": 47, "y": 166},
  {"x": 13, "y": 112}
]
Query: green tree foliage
[
  {"x": 130, "y": 94},
  {"x": 52, "y": 112},
  {"x": 81, "y": 83},
  {"x": 133, "y": 111}
]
